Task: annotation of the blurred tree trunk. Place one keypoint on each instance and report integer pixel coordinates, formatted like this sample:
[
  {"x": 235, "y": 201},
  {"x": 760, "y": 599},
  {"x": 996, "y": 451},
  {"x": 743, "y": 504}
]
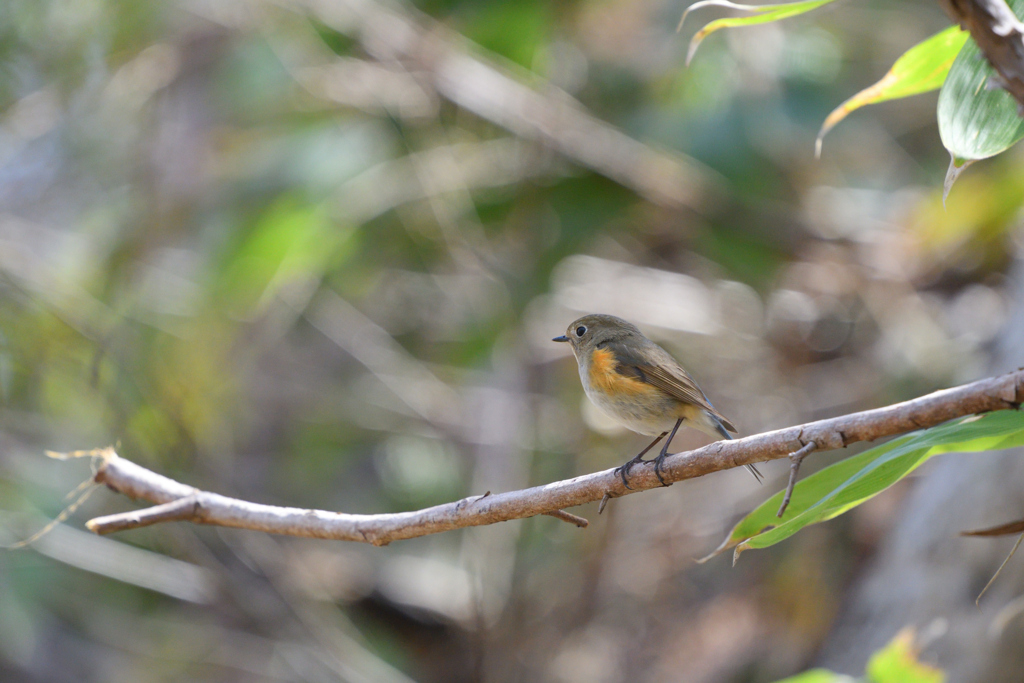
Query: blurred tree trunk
[{"x": 925, "y": 571}]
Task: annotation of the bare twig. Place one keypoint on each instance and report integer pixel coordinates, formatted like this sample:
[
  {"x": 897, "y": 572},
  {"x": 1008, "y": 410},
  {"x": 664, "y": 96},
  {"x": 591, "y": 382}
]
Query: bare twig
[
  {"x": 999, "y": 34},
  {"x": 999, "y": 571},
  {"x": 994, "y": 393},
  {"x": 569, "y": 517},
  {"x": 795, "y": 459},
  {"x": 1001, "y": 530},
  {"x": 180, "y": 510}
]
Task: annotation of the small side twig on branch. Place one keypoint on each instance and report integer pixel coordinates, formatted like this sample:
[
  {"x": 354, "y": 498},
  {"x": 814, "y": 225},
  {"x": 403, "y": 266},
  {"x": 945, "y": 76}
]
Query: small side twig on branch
[
  {"x": 581, "y": 522},
  {"x": 181, "y": 510},
  {"x": 176, "y": 501},
  {"x": 795, "y": 460}
]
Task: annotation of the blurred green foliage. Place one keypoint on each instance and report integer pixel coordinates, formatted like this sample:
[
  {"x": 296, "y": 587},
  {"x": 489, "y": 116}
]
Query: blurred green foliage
[
  {"x": 262, "y": 249},
  {"x": 897, "y": 662}
]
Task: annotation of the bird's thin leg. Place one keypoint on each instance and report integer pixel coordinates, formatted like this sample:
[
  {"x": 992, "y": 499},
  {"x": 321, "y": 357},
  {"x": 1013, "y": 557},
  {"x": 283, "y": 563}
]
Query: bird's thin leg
[
  {"x": 624, "y": 469},
  {"x": 664, "y": 451}
]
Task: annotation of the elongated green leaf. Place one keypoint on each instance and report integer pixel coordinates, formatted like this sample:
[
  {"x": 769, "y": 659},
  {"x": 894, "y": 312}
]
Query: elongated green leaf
[
  {"x": 976, "y": 119},
  {"x": 848, "y": 483},
  {"x": 921, "y": 68},
  {"x": 762, "y": 14}
]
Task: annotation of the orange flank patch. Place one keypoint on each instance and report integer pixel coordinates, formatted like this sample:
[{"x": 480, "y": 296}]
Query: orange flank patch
[{"x": 605, "y": 378}]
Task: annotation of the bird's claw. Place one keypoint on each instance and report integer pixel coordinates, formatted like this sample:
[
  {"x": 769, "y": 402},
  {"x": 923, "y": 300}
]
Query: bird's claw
[
  {"x": 623, "y": 471},
  {"x": 657, "y": 469}
]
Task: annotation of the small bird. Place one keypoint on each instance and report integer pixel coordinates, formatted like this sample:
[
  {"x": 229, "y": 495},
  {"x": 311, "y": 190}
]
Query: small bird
[{"x": 640, "y": 385}]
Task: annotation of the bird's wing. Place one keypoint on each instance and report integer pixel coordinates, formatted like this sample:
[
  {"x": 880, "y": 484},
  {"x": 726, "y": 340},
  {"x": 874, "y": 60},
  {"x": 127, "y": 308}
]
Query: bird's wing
[{"x": 661, "y": 370}]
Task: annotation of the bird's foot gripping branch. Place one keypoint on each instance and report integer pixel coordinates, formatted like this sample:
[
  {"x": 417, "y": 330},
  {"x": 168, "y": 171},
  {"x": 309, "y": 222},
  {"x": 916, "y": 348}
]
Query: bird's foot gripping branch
[{"x": 950, "y": 420}]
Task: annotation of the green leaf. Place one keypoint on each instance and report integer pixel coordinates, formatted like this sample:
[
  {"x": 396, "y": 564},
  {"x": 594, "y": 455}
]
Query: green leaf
[
  {"x": 897, "y": 663},
  {"x": 762, "y": 14},
  {"x": 922, "y": 68},
  {"x": 976, "y": 120},
  {"x": 848, "y": 483}
]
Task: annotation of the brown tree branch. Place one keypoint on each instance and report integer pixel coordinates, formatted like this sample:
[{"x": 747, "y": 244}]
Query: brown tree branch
[
  {"x": 999, "y": 34},
  {"x": 177, "y": 501}
]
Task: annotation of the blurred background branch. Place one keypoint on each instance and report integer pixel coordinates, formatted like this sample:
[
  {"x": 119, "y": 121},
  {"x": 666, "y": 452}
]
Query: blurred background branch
[{"x": 454, "y": 69}]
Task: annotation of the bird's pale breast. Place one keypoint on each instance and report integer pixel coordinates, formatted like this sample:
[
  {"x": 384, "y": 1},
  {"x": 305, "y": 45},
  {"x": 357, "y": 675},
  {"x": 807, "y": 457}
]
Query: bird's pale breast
[{"x": 637, "y": 405}]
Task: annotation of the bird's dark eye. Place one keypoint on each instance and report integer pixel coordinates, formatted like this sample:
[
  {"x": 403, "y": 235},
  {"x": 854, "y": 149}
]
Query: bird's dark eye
[{"x": 580, "y": 331}]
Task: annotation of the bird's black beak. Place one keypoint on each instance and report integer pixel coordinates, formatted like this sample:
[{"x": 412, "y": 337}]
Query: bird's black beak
[{"x": 563, "y": 338}]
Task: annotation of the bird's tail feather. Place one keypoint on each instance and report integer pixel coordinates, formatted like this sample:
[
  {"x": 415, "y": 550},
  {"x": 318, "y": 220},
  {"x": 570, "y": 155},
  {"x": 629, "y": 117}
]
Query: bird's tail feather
[{"x": 720, "y": 428}]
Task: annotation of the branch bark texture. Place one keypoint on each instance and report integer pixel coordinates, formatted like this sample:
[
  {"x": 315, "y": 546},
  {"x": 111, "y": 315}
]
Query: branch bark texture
[
  {"x": 1000, "y": 36},
  {"x": 176, "y": 501}
]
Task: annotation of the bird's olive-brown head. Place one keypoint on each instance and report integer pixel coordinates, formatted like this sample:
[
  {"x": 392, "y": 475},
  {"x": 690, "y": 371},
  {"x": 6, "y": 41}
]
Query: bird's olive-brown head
[{"x": 586, "y": 333}]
